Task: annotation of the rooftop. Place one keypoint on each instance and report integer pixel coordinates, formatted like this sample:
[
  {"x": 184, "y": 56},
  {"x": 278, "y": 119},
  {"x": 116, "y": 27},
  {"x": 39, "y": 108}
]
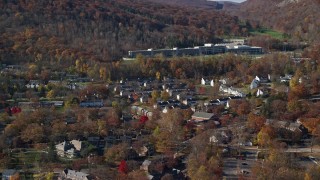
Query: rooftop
[{"x": 202, "y": 115}]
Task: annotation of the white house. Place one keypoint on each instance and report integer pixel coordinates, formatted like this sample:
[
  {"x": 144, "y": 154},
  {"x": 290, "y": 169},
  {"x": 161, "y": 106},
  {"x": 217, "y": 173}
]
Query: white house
[
  {"x": 227, "y": 105},
  {"x": 259, "y": 93},
  {"x": 145, "y": 165},
  {"x": 74, "y": 175},
  {"x": 69, "y": 149},
  {"x": 224, "y": 81},
  {"x": 144, "y": 99},
  {"x": 207, "y": 82},
  {"x": 213, "y": 139},
  {"x": 212, "y": 83},
  {"x": 203, "y": 82},
  {"x": 231, "y": 90}
]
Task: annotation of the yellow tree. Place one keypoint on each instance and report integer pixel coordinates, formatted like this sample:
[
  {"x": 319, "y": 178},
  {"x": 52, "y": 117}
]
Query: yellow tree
[
  {"x": 154, "y": 96},
  {"x": 170, "y": 131},
  {"x": 51, "y": 94},
  {"x": 158, "y": 75},
  {"x": 265, "y": 136},
  {"x": 165, "y": 95}
]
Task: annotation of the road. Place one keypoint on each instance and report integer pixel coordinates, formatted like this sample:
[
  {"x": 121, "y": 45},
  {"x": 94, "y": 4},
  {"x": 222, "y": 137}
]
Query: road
[
  {"x": 290, "y": 149},
  {"x": 233, "y": 168}
]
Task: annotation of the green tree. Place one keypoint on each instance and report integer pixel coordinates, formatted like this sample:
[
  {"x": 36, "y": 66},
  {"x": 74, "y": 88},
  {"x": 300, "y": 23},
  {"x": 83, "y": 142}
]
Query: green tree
[
  {"x": 87, "y": 149},
  {"x": 52, "y": 154}
]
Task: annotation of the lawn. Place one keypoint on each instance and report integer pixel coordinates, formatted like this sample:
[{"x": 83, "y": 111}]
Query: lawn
[
  {"x": 268, "y": 32},
  {"x": 28, "y": 159}
]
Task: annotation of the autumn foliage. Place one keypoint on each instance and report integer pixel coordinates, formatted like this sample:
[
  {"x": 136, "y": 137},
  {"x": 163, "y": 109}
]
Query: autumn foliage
[
  {"x": 103, "y": 31},
  {"x": 143, "y": 119},
  {"x": 123, "y": 167},
  {"x": 256, "y": 122}
]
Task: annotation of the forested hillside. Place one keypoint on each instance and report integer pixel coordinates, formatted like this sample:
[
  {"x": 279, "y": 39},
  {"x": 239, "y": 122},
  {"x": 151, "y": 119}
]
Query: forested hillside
[
  {"x": 299, "y": 18},
  {"x": 191, "y": 3},
  {"x": 66, "y": 30}
]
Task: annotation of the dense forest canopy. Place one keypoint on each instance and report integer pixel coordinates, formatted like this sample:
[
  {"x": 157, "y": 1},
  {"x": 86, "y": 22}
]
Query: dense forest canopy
[
  {"x": 103, "y": 30},
  {"x": 298, "y": 18}
]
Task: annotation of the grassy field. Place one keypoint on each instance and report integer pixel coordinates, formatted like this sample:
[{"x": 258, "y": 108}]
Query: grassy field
[{"x": 268, "y": 32}]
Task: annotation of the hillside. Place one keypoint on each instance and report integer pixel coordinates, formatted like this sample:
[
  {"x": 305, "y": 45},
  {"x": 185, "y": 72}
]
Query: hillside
[
  {"x": 206, "y": 4},
  {"x": 103, "y": 30},
  {"x": 298, "y": 18},
  {"x": 191, "y": 3}
]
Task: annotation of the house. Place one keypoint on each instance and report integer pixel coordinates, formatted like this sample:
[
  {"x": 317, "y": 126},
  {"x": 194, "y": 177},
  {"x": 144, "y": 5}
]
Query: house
[
  {"x": 213, "y": 139},
  {"x": 189, "y": 101},
  {"x": 33, "y": 84},
  {"x": 235, "y": 41},
  {"x": 10, "y": 174},
  {"x": 146, "y": 150},
  {"x": 74, "y": 175},
  {"x": 17, "y": 82},
  {"x": 169, "y": 91},
  {"x": 77, "y": 144},
  {"x": 291, "y": 126},
  {"x": 259, "y": 93},
  {"x": 145, "y": 165},
  {"x": 116, "y": 88},
  {"x": 240, "y": 49},
  {"x": 96, "y": 104},
  {"x": 143, "y": 151},
  {"x": 165, "y": 110},
  {"x": 206, "y": 49},
  {"x": 207, "y": 82},
  {"x": 69, "y": 149},
  {"x": 202, "y": 116},
  {"x": 125, "y": 93},
  {"x": 294, "y": 127},
  {"x": 232, "y": 91},
  {"x": 214, "y": 102},
  {"x": 212, "y": 83},
  {"x": 56, "y": 82},
  {"x": 72, "y": 86},
  {"x": 286, "y": 78},
  {"x": 94, "y": 140},
  {"x": 255, "y": 83},
  {"x": 263, "y": 79},
  {"x": 144, "y": 99},
  {"x": 183, "y": 96},
  {"x": 220, "y": 136},
  {"x": 70, "y": 120},
  {"x": 126, "y": 117},
  {"x": 203, "y": 82},
  {"x": 227, "y": 105},
  {"x": 224, "y": 81},
  {"x": 223, "y": 100}
]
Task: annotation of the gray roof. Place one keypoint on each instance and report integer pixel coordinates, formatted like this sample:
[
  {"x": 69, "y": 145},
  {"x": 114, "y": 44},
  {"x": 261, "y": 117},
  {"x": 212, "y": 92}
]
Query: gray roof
[
  {"x": 202, "y": 115},
  {"x": 76, "y": 175}
]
